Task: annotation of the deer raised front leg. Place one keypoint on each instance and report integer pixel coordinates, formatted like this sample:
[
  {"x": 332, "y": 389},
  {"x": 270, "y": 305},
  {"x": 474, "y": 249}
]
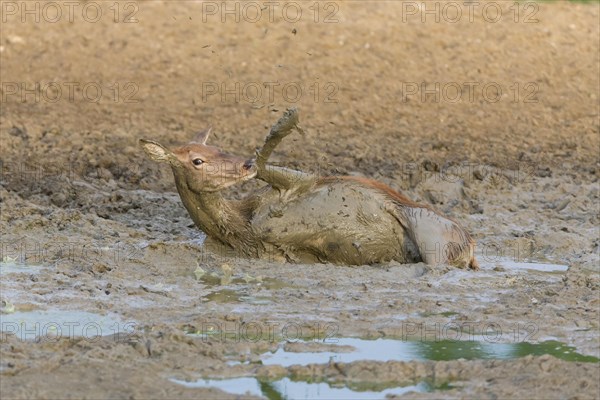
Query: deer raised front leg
[{"x": 280, "y": 177}]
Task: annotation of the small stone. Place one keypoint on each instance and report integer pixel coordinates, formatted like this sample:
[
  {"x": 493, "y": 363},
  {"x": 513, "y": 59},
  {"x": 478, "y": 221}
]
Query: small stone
[
  {"x": 14, "y": 39},
  {"x": 232, "y": 317},
  {"x": 199, "y": 273}
]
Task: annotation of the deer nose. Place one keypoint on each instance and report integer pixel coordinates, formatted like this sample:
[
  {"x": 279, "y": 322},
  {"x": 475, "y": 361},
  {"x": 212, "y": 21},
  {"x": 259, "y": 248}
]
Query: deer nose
[{"x": 248, "y": 164}]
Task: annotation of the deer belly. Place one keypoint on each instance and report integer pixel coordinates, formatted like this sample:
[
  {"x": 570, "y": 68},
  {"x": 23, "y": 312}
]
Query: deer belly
[{"x": 340, "y": 223}]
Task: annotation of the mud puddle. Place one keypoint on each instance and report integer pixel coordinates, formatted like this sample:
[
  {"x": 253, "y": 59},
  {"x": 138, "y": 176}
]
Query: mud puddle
[
  {"x": 542, "y": 271},
  {"x": 38, "y": 325},
  {"x": 234, "y": 296},
  {"x": 287, "y": 388},
  {"x": 347, "y": 350},
  {"x": 539, "y": 267},
  {"x": 11, "y": 267},
  {"x": 231, "y": 289},
  {"x": 214, "y": 279},
  {"x": 512, "y": 265}
]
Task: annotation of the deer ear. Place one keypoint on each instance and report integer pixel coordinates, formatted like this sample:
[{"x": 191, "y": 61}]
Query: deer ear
[
  {"x": 156, "y": 151},
  {"x": 202, "y": 136}
]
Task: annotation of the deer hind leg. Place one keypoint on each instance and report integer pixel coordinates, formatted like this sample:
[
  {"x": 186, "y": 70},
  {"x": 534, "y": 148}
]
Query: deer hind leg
[
  {"x": 438, "y": 239},
  {"x": 280, "y": 177}
]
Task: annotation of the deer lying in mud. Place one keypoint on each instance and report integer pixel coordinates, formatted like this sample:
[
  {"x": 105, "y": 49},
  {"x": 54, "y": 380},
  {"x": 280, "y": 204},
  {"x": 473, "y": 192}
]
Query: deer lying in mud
[{"x": 306, "y": 218}]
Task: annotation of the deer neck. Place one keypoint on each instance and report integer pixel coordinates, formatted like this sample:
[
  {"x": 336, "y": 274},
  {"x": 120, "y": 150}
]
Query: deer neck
[{"x": 219, "y": 218}]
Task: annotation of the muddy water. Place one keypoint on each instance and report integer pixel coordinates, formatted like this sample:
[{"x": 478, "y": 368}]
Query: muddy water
[
  {"x": 395, "y": 350},
  {"x": 93, "y": 233},
  {"x": 347, "y": 350},
  {"x": 288, "y": 389}
]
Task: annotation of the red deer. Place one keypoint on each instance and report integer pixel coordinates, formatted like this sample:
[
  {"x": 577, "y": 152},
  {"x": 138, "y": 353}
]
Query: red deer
[{"x": 305, "y": 218}]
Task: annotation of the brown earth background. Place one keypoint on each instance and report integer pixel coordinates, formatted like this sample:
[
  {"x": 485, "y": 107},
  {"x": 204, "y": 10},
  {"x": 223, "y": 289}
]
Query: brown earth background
[{"x": 515, "y": 160}]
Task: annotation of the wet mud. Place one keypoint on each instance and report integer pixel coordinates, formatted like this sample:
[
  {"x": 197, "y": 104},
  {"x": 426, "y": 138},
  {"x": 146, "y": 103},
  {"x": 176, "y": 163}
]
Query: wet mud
[{"x": 109, "y": 291}]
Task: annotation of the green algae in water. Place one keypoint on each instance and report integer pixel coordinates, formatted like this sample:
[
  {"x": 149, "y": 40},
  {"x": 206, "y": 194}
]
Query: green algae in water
[
  {"x": 236, "y": 289},
  {"x": 224, "y": 296},
  {"x": 444, "y": 350},
  {"x": 377, "y": 350}
]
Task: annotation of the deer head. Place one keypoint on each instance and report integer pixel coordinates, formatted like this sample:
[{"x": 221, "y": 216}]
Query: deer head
[{"x": 202, "y": 168}]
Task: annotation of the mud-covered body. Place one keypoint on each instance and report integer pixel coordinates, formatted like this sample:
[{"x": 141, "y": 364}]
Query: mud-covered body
[
  {"x": 355, "y": 221},
  {"x": 341, "y": 222}
]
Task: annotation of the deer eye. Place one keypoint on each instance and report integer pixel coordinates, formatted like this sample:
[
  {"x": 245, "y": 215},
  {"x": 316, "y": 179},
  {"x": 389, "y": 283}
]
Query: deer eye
[{"x": 197, "y": 161}]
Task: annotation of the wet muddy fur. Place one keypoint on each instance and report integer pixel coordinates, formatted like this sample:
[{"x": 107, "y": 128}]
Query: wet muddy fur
[{"x": 302, "y": 218}]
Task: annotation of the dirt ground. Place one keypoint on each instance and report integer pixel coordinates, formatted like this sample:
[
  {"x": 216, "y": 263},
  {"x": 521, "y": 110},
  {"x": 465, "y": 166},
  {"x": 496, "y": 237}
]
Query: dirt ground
[{"x": 496, "y": 123}]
